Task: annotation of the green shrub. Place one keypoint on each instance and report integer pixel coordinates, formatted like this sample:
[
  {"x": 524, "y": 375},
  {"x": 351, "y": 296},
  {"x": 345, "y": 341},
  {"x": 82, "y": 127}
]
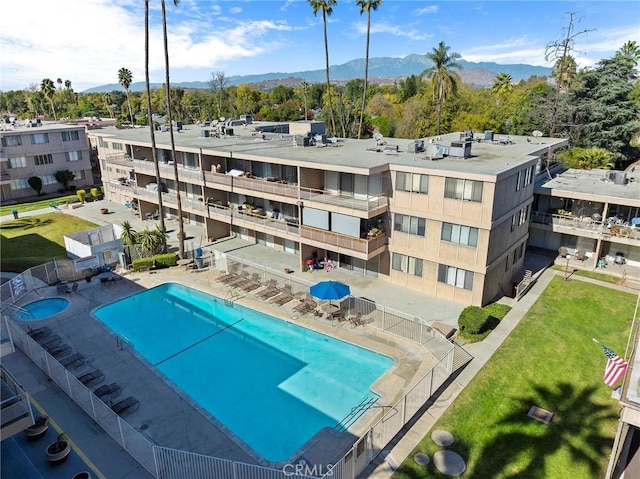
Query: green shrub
[
  {"x": 165, "y": 260},
  {"x": 472, "y": 319},
  {"x": 497, "y": 310},
  {"x": 94, "y": 192},
  {"x": 82, "y": 195},
  {"x": 142, "y": 263}
]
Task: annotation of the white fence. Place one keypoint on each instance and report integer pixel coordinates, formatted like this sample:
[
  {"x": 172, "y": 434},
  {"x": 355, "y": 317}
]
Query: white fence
[{"x": 165, "y": 463}]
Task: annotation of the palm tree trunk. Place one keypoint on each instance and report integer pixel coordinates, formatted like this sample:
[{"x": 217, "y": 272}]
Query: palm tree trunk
[
  {"x": 366, "y": 74},
  {"x": 130, "y": 110},
  {"x": 173, "y": 144},
  {"x": 150, "y": 114},
  {"x": 326, "y": 54},
  {"x": 440, "y": 94}
]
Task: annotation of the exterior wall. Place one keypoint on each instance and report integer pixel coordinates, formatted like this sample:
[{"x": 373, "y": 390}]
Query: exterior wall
[{"x": 56, "y": 147}]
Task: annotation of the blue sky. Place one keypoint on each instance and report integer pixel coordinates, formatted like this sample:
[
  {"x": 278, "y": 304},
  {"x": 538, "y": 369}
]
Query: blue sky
[{"x": 88, "y": 41}]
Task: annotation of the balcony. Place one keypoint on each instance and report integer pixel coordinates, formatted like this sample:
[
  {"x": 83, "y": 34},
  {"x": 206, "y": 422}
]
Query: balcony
[
  {"x": 585, "y": 226},
  {"x": 315, "y": 198},
  {"x": 363, "y": 248},
  {"x": 145, "y": 167},
  {"x": 5, "y": 177}
]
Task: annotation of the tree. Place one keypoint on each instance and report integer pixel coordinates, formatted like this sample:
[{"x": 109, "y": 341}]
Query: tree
[
  {"x": 35, "y": 182},
  {"x": 176, "y": 176},
  {"x": 65, "y": 177},
  {"x": 48, "y": 89},
  {"x": 559, "y": 50},
  {"x": 125, "y": 78},
  {"x": 150, "y": 113},
  {"x": 67, "y": 84},
  {"x": 218, "y": 84},
  {"x": 304, "y": 90},
  {"x": 327, "y": 10},
  {"x": 366, "y": 6},
  {"x": 630, "y": 52},
  {"x": 442, "y": 74},
  {"x": 564, "y": 72},
  {"x": 502, "y": 84},
  {"x": 586, "y": 158}
]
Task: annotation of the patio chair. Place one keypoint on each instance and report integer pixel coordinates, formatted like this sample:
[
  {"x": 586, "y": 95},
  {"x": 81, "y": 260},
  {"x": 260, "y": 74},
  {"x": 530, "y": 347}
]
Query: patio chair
[
  {"x": 252, "y": 284},
  {"x": 129, "y": 404},
  {"x": 107, "y": 392},
  {"x": 338, "y": 315},
  {"x": 303, "y": 307},
  {"x": 92, "y": 378},
  {"x": 270, "y": 290},
  {"x": 48, "y": 342},
  {"x": 240, "y": 280},
  {"x": 233, "y": 271},
  {"x": 60, "y": 351},
  {"x": 357, "y": 319},
  {"x": 75, "y": 359}
]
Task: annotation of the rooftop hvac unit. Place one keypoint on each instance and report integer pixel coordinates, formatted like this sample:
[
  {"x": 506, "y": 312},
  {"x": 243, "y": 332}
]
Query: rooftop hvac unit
[
  {"x": 302, "y": 140},
  {"x": 620, "y": 178},
  {"x": 229, "y": 132},
  {"x": 435, "y": 152},
  {"x": 460, "y": 149},
  {"x": 488, "y": 135},
  {"x": 204, "y": 133},
  {"x": 416, "y": 146}
]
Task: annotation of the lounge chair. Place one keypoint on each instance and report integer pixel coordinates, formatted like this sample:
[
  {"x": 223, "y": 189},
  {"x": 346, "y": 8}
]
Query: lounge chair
[
  {"x": 92, "y": 378},
  {"x": 282, "y": 298},
  {"x": 242, "y": 280},
  {"x": 338, "y": 315},
  {"x": 49, "y": 342},
  {"x": 76, "y": 359},
  {"x": 39, "y": 333},
  {"x": 303, "y": 307},
  {"x": 252, "y": 284},
  {"x": 107, "y": 392},
  {"x": 357, "y": 319},
  {"x": 129, "y": 404},
  {"x": 60, "y": 351},
  {"x": 270, "y": 290},
  {"x": 233, "y": 271}
]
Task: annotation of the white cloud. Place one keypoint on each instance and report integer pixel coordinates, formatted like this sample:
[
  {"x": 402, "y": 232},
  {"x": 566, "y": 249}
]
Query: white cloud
[{"x": 426, "y": 10}]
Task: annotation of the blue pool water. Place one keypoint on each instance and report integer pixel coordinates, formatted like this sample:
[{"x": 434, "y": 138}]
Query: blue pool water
[
  {"x": 43, "y": 308},
  {"x": 272, "y": 383}
]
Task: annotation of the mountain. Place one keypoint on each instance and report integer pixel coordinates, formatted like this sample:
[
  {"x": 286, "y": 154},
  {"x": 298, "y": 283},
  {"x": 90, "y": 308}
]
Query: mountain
[{"x": 381, "y": 70}]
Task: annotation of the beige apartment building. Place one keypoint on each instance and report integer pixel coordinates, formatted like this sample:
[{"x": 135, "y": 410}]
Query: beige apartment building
[
  {"x": 447, "y": 216},
  {"x": 32, "y": 148}
]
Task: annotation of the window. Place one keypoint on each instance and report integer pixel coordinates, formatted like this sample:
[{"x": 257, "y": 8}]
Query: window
[
  {"x": 410, "y": 224},
  {"x": 190, "y": 160},
  {"x": 524, "y": 178},
  {"x": 73, "y": 155},
  {"x": 48, "y": 179},
  {"x": 519, "y": 180},
  {"x": 12, "y": 140},
  {"x": 517, "y": 253},
  {"x": 520, "y": 218},
  {"x": 39, "y": 138},
  {"x": 407, "y": 264},
  {"x": 43, "y": 159},
  {"x": 70, "y": 135},
  {"x": 102, "y": 143},
  {"x": 79, "y": 175},
  {"x": 460, "y": 278},
  {"x": 18, "y": 162},
  {"x": 412, "y": 182},
  {"x": 463, "y": 189},
  {"x": 117, "y": 146},
  {"x": 19, "y": 184},
  {"x": 460, "y": 234}
]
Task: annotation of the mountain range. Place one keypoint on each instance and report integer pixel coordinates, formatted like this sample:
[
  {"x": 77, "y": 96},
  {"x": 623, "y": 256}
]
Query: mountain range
[{"x": 382, "y": 70}]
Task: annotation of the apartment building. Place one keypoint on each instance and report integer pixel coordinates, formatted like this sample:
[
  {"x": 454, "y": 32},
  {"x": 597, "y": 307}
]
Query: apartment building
[
  {"x": 447, "y": 216},
  {"x": 32, "y": 148},
  {"x": 593, "y": 215}
]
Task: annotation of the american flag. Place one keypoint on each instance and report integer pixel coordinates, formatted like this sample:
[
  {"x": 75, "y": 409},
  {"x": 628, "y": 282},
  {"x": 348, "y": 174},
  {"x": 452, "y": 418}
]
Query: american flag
[{"x": 616, "y": 367}]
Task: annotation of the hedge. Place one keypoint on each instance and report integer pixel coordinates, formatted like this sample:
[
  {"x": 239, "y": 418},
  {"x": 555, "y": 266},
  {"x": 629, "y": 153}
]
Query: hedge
[{"x": 472, "y": 319}]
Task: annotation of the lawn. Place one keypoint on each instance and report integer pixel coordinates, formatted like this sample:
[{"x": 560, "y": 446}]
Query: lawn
[
  {"x": 35, "y": 240},
  {"x": 36, "y": 205},
  {"x": 608, "y": 278},
  {"x": 551, "y": 361}
]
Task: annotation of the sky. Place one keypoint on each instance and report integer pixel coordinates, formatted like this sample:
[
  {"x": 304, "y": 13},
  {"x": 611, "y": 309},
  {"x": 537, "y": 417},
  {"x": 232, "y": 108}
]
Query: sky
[{"x": 88, "y": 41}]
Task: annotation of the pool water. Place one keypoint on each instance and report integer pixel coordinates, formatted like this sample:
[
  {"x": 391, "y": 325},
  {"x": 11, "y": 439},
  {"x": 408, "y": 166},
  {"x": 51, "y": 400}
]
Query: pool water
[
  {"x": 272, "y": 383},
  {"x": 43, "y": 308}
]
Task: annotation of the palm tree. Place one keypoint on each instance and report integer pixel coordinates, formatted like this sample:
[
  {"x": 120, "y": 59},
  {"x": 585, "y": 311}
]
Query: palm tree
[
  {"x": 304, "y": 88},
  {"x": 169, "y": 119},
  {"x": 502, "y": 84},
  {"x": 564, "y": 72},
  {"x": 48, "y": 89},
  {"x": 59, "y": 82},
  {"x": 67, "y": 84},
  {"x": 327, "y": 9},
  {"x": 366, "y": 6},
  {"x": 150, "y": 113},
  {"x": 125, "y": 78},
  {"x": 442, "y": 74}
]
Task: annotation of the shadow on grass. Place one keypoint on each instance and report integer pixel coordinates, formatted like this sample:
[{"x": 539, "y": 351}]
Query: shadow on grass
[
  {"x": 25, "y": 224},
  {"x": 576, "y": 428}
]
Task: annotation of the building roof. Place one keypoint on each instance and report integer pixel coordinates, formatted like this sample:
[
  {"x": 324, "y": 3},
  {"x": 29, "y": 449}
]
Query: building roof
[
  {"x": 350, "y": 155},
  {"x": 20, "y": 126},
  {"x": 595, "y": 185}
]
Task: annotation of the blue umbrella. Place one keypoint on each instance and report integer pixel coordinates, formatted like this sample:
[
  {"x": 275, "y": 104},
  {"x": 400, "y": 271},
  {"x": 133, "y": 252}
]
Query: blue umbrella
[{"x": 330, "y": 290}]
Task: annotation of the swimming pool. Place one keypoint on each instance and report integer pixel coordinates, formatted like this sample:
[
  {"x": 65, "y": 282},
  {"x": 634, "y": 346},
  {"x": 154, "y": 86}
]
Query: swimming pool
[
  {"x": 272, "y": 383},
  {"x": 43, "y": 308}
]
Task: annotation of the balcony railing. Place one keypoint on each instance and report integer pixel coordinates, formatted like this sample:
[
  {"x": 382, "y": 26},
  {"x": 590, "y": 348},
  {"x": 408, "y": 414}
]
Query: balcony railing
[
  {"x": 361, "y": 246},
  {"x": 586, "y": 224}
]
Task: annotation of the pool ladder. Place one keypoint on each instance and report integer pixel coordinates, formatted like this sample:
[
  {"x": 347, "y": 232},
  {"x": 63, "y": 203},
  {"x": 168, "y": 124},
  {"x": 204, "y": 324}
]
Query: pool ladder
[
  {"x": 231, "y": 297},
  {"x": 356, "y": 411},
  {"x": 122, "y": 340}
]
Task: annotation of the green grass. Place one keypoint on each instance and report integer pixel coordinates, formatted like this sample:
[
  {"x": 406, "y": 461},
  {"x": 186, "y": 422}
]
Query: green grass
[
  {"x": 35, "y": 240},
  {"x": 607, "y": 278},
  {"x": 549, "y": 360},
  {"x": 36, "y": 205}
]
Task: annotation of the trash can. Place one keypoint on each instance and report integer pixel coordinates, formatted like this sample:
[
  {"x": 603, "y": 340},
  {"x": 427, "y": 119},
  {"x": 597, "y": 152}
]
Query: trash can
[
  {"x": 199, "y": 263},
  {"x": 198, "y": 252},
  {"x": 15, "y": 214}
]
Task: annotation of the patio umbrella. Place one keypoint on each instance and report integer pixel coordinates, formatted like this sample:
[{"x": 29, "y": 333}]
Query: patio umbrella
[{"x": 330, "y": 290}]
